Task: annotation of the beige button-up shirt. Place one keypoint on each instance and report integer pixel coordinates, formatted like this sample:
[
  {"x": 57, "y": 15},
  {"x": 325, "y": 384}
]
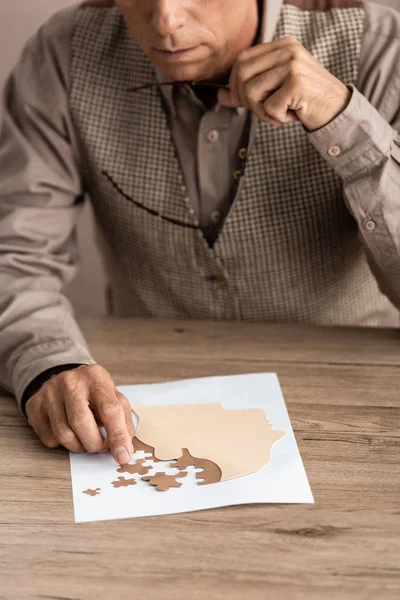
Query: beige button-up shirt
[
  {"x": 39, "y": 167},
  {"x": 208, "y": 143}
]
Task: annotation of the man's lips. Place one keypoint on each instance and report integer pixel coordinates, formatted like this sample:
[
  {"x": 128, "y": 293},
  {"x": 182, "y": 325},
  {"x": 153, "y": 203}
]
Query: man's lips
[
  {"x": 173, "y": 51},
  {"x": 177, "y": 55}
]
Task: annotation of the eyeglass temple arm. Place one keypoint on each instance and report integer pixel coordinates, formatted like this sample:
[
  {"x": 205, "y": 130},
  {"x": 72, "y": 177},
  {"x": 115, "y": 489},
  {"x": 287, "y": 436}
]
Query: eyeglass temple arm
[{"x": 193, "y": 83}]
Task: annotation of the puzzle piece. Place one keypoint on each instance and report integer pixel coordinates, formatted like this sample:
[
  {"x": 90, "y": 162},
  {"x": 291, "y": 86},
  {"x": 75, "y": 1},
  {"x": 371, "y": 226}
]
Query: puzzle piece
[
  {"x": 211, "y": 432},
  {"x": 90, "y": 492},
  {"x": 138, "y": 467},
  {"x": 123, "y": 482},
  {"x": 211, "y": 472},
  {"x": 164, "y": 482},
  {"x": 139, "y": 446}
]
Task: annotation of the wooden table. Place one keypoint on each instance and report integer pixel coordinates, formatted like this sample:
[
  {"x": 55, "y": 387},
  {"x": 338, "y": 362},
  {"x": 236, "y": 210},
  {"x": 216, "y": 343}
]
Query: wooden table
[{"x": 342, "y": 391}]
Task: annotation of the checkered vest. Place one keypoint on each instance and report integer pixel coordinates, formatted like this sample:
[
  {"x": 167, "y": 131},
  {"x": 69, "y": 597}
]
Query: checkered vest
[{"x": 289, "y": 249}]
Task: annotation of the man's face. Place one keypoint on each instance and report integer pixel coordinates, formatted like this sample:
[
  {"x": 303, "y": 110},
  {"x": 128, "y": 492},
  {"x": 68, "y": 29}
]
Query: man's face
[{"x": 215, "y": 31}]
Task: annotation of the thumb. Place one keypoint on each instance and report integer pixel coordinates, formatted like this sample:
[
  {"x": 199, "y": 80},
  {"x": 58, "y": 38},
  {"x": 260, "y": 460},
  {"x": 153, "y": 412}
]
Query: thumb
[{"x": 225, "y": 98}]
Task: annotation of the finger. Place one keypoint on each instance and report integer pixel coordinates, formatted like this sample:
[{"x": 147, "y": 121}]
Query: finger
[
  {"x": 269, "y": 53},
  {"x": 59, "y": 424},
  {"x": 262, "y": 57},
  {"x": 270, "y": 121},
  {"x": 265, "y": 66},
  {"x": 258, "y": 89},
  {"x": 225, "y": 97},
  {"x": 101, "y": 427},
  {"x": 233, "y": 97},
  {"x": 284, "y": 42},
  {"x": 80, "y": 417},
  {"x": 278, "y": 105},
  {"x": 40, "y": 423},
  {"x": 128, "y": 413},
  {"x": 112, "y": 416}
]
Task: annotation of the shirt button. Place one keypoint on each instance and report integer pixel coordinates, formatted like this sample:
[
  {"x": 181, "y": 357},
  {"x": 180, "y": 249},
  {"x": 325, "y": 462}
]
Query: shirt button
[
  {"x": 215, "y": 216},
  {"x": 213, "y": 135},
  {"x": 334, "y": 151},
  {"x": 242, "y": 153},
  {"x": 370, "y": 225}
]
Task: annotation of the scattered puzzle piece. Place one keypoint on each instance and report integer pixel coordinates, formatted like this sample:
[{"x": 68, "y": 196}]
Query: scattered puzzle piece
[
  {"x": 211, "y": 472},
  {"x": 139, "y": 446},
  {"x": 164, "y": 482},
  {"x": 90, "y": 492},
  {"x": 138, "y": 467},
  {"x": 123, "y": 482}
]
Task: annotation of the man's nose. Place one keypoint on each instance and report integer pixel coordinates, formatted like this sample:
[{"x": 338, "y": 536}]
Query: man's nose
[{"x": 168, "y": 16}]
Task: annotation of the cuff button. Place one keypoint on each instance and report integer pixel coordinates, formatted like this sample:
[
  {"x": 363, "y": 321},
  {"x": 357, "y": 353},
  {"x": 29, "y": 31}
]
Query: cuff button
[{"x": 370, "y": 225}]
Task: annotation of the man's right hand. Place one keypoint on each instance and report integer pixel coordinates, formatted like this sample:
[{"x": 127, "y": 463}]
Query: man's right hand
[{"x": 68, "y": 407}]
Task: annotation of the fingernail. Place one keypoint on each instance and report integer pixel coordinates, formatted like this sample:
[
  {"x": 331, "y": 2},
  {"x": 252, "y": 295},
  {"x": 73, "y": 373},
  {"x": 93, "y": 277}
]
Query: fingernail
[{"x": 122, "y": 455}]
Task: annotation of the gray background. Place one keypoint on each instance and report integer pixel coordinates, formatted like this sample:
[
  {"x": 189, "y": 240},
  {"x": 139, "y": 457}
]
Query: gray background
[{"x": 18, "y": 20}]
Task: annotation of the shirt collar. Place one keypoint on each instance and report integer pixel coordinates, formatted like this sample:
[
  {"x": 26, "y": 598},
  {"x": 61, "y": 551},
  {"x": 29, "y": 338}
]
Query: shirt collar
[{"x": 271, "y": 10}]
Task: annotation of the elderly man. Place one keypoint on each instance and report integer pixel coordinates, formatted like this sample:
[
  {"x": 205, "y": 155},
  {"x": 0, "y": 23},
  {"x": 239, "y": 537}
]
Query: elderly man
[{"x": 268, "y": 191}]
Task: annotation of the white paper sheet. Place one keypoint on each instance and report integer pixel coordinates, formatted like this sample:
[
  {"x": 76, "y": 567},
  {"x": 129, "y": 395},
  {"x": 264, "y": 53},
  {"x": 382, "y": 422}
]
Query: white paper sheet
[{"x": 282, "y": 480}]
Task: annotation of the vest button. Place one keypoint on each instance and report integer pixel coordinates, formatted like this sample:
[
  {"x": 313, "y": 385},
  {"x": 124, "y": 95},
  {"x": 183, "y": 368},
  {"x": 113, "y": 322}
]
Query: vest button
[{"x": 213, "y": 135}]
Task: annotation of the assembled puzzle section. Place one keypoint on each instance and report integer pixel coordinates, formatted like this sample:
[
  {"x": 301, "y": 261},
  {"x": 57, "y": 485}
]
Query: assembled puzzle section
[
  {"x": 238, "y": 442},
  {"x": 219, "y": 444}
]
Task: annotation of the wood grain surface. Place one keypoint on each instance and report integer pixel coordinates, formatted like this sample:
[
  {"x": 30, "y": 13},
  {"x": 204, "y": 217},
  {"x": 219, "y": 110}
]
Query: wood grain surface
[{"x": 342, "y": 391}]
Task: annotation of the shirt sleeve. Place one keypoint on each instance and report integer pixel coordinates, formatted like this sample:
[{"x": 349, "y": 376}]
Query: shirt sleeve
[
  {"x": 41, "y": 198},
  {"x": 362, "y": 145}
]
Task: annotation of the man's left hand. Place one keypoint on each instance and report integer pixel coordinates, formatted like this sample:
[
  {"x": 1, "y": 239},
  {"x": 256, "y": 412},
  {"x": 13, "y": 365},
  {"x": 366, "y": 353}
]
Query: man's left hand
[{"x": 281, "y": 82}]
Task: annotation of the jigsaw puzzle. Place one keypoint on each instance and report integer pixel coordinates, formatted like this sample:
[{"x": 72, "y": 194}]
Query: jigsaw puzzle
[
  {"x": 123, "y": 482},
  {"x": 164, "y": 482},
  {"x": 90, "y": 492},
  {"x": 200, "y": 443},
  {"x": 238, "y": 442},
  {"x": 166, "y": 425},
  {"x": 211, "y": 473},
  {"x": 138, "y": 468}
]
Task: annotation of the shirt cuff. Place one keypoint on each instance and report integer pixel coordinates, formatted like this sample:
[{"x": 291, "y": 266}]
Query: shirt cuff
[
  {"x": 37, "y": 359},
  {"x": 355, "y": 140},
  {"x": 35, "y": 385}
]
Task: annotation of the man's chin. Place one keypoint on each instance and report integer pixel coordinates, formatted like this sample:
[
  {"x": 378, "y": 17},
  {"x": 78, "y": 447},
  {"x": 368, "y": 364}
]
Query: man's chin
[{"x": 182, "y": 73}]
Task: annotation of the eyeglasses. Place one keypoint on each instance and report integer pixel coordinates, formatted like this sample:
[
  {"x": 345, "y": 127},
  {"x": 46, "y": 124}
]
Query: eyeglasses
[
  {"x": 237, "y": 174},
  {"x": 177, "y": 83}
]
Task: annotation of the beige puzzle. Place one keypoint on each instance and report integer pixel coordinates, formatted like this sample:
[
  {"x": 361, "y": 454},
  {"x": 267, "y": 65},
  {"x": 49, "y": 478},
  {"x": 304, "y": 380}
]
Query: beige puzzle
[{"x": 239, "y": 442}]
